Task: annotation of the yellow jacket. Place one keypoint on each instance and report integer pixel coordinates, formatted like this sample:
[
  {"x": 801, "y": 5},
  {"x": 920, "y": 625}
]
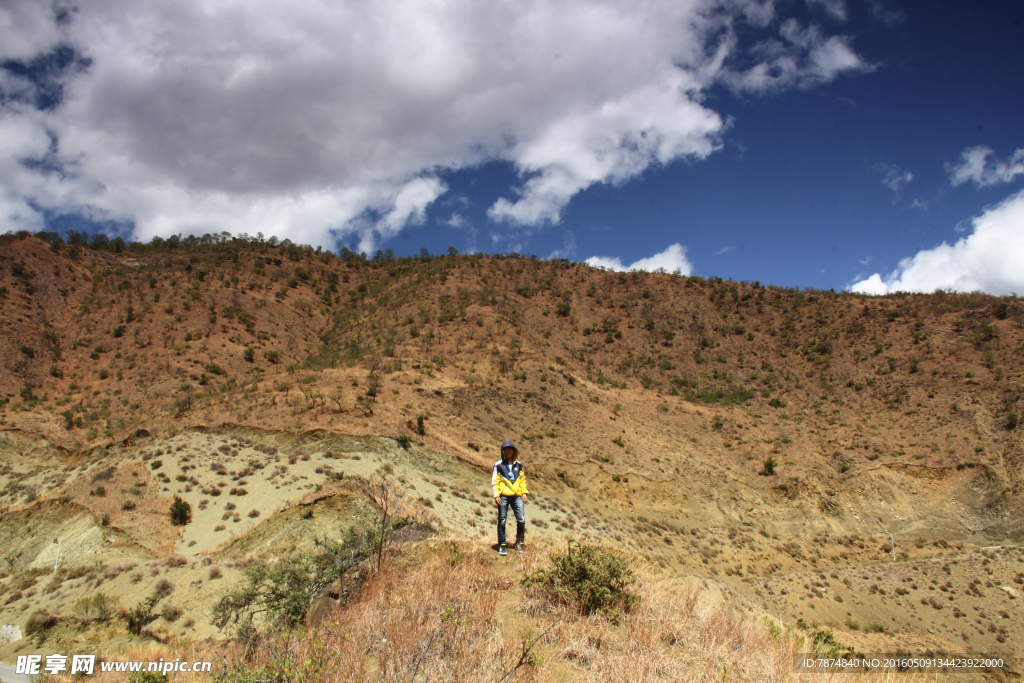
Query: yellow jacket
[{"x": 508, "y": 478}]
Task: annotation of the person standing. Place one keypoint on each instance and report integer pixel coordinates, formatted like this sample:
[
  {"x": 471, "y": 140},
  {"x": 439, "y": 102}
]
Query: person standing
[{"x": 508, "y": 480}]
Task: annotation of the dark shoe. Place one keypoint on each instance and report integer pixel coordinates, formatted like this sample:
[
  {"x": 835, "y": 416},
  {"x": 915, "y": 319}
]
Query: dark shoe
[{"x": 503, "y": 549}]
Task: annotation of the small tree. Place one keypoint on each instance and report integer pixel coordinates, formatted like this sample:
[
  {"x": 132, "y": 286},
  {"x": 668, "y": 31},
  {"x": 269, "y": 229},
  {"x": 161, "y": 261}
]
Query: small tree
[
  {"x": 770, "y": 463},
  {"x": 337, "y": 395},
  {"x": 249, "y": 354},
  {"x": 181, "y": 512},
  {"x": 384, "y": 495}
]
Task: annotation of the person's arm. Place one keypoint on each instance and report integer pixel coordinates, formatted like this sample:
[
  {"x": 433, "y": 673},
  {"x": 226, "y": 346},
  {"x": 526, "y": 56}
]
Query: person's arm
[
  {"x": 522, "y": 475},
  {"x": 495, "y": 476}
]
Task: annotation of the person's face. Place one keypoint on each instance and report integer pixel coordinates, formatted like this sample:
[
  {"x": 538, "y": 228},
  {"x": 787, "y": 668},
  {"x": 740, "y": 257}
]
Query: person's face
[{"x": 507, "y": 452}]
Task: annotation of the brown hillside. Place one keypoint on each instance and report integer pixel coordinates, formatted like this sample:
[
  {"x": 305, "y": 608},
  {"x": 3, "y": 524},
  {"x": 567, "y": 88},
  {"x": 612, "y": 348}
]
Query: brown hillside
[{"x": 649, "y": 408}]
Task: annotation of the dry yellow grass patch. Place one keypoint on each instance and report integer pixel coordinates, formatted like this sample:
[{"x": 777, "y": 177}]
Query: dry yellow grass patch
[{"x": 440, "y": 621}]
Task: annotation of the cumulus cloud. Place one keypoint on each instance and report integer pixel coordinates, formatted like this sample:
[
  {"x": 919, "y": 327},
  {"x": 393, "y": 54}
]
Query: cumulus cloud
[
  {"x": 319, "y": 120},
  {"x": 977, "y": 166},
  {"x": 672, "y": 259},
  {"x": 987, "y": 260}
]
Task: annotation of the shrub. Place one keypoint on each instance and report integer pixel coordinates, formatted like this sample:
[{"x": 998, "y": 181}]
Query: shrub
[
  {"x": 141, "y": 615},
  {"x": 171, "y": 613},
  {"x": 281, "y": 593},
  {"x": 592, "y": 578},
  {"x": 98, "y": 607},
  {"x": 163, "y": 588},
  {"x": 128, "y": 506},
  {"x": 40, "y": 622},
  {"x": 770, "y": 463},
  {"x": 272, "y": 356},
  {"x": 404, "y": 441},
  {"x": 119, "y": 331},
  {"x": 181, "y": 512},
  {"x": 1012, "y": 420},
  {"x": 249, "y": 354}
]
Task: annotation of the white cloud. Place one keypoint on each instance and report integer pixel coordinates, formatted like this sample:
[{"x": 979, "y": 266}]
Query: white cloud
[
  {"x": 987, "y": 260},
  {"x": 975, "y": 166},
  {"x": 804, "y": 58},
  {"x": 27, "y": 28},
  {"x": 723, "y": 250},
  {"x": 873, "y": 285},
  {"x": 894, "y": 177},
  {"x": 672, "y": 259},
  {"x": 457, "y": 221},
  {"x": 410, "y": 205},
  {"x": 308, "y": 119}
]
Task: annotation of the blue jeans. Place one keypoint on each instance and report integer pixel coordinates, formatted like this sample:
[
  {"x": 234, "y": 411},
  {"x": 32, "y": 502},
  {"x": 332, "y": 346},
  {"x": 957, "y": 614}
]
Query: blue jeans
[{"x": 516, "y": 503}]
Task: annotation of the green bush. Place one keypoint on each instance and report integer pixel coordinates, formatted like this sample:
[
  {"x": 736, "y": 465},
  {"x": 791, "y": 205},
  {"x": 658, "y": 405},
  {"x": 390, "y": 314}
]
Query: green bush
[
  {"x": 181, "y": 512},
  {"x": 404, "y": 441},
  {"x": 141, "y": 615},
  {"x": 770, "y": 463},
  {"x": 592, "y": 578},
  {"x": 276, "y": 597},
  {"x": 1012, "y": 420},
  {"x": 249, "y": 354}
]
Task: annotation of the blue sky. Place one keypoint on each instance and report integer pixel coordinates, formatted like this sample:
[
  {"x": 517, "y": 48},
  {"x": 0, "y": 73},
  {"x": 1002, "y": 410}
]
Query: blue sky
[{"x": 821, "y": 143}]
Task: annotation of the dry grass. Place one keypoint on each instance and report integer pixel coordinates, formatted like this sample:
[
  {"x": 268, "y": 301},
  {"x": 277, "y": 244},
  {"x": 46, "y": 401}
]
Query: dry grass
[
  {"x": 435, "y": 622},
  {"x": 439, "y": 622}
]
